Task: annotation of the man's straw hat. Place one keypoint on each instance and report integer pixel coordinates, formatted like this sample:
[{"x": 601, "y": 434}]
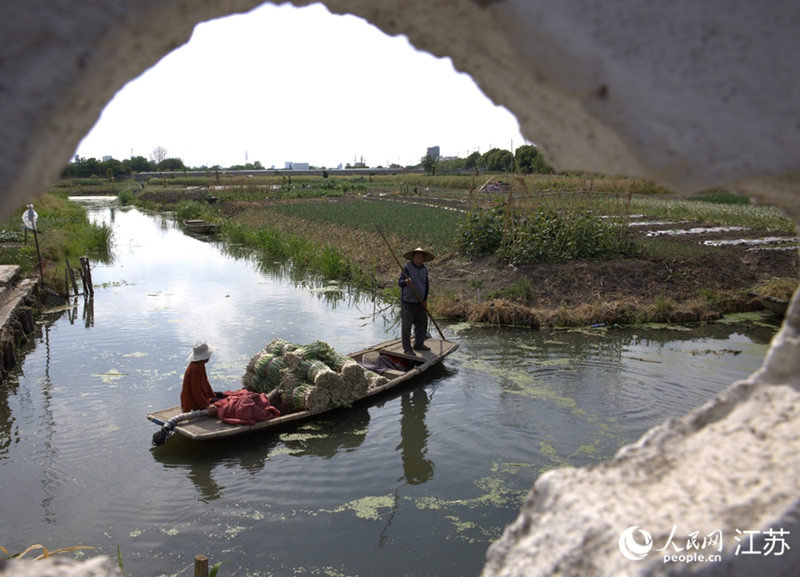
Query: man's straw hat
[{"x": 426, "y": 256}]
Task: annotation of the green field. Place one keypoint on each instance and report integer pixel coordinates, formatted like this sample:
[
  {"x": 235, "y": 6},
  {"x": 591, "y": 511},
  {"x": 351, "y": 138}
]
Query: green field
[{"x": 433, "y": 227}]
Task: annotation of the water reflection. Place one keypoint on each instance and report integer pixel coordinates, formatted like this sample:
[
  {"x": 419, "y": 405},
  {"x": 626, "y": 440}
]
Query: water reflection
[
  {"x": 414, "y": 434},
  {"x": 70, "y": 310},
  {"x": 330, "y": 292},
  {"x": 205, "y": 461},
  {"x": 341, "y": 431}
]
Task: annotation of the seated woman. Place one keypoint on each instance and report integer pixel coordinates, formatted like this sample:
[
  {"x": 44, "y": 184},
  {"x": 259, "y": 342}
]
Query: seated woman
[{"x": 197, "y": 393}]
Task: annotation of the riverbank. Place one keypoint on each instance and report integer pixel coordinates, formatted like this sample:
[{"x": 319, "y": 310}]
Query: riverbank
[
  {"x": 680, "y": 279},
  {"x": 18, "y": 301},
  {"x": 691, "y": 270},
  {"x": 64, "y": 236}
]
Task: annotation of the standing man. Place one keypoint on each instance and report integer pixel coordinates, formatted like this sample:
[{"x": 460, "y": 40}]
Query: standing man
[{"x": 414, "y": 299}]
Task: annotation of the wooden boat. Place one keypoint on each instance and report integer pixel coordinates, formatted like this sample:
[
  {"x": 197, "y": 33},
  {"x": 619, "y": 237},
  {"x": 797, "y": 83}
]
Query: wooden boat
[
  {"x": 199, "y": 226},
  {"x": 206, "y": 428},
  {"x": 774, "y": 305}
]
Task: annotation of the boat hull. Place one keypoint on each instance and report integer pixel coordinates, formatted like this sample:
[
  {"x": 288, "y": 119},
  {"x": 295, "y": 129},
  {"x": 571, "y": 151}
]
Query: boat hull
[
  {"x": 775, "y": 306},
  {"x": 199, "y": 226}
]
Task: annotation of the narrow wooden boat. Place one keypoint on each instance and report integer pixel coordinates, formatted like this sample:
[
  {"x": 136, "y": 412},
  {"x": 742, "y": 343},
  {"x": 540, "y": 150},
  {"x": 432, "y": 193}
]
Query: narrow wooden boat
[
  {"x": 774, "y": 305},
  {"x": 206, "y": 428},
  {"x": 199, "y": 226}
]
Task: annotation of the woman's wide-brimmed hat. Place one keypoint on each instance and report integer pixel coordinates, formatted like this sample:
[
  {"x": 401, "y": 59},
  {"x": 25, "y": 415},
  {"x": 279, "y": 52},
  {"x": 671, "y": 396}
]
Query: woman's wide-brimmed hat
[
  {"x": 201, "y": 352},
  {"x": 426, "y": 256}
]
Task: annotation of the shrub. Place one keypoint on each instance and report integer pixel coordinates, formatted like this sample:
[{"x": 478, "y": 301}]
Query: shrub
[
  {"x": 188, "y": 209},
  {"x": 521, "y": 291},
  {"x": 544, "y": 235},
  {"x": 481, "y": 232},
  {"x": 126, "y": 196}
]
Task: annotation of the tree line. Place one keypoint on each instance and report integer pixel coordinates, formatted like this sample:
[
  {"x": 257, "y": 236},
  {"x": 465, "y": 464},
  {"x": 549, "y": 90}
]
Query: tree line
[
  {"x": 82, "y": 167},
  {"x": 525, "y": 159}
]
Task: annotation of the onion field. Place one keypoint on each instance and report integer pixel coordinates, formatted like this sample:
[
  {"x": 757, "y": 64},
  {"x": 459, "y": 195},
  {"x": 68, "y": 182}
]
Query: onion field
[{"x": 434, "y": 227}]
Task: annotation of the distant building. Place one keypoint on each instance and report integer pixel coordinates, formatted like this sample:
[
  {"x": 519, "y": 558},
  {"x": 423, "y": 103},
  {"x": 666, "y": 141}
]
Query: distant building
[
  {"x": 287, "y": 165},
  {"x": 107, "y": 158},
  {"x": 296, "y": 166},
  {"x": 433, "y": 151}
]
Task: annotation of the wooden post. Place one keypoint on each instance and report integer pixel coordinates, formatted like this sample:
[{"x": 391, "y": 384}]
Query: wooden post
[
  {"x": 38, "y": 254},
  {"x": 71, "y": 274},
  {"x": 200, "y": 566},
  {"x": 87, "y": 276}
]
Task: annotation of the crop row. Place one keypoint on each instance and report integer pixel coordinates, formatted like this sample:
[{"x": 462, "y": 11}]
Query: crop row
[{"x": 435, "y": 228}]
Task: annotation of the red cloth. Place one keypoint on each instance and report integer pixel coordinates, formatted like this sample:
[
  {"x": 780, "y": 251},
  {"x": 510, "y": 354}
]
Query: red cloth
[{"x": 243, "y": 407}]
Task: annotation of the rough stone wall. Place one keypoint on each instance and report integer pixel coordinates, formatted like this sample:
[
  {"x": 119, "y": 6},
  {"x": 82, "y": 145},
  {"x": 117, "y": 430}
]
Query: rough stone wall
[{"x": 689, "y": 94}]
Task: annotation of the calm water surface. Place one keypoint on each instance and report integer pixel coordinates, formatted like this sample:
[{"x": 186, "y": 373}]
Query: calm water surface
[{"x": 416, "y": 483}]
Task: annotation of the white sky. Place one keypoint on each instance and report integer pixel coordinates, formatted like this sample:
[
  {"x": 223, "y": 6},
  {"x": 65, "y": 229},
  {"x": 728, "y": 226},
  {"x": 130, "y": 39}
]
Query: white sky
[{"x": 303, "y": 85}]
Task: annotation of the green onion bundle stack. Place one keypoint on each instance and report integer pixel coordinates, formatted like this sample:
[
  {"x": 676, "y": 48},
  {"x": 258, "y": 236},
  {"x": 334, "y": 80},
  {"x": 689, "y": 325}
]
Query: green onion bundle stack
[
  {"x": 279, "y": 347},
  {"x": 306, "y": 397},
  {"x": 310, "y": 377},
  {"x": 266, "y": 373},
  {"x": 375, "y": 380}
]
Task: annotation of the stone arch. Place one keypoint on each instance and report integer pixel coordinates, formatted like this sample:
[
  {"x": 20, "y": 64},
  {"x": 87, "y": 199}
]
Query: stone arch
[{"x": 687, "y": 94}]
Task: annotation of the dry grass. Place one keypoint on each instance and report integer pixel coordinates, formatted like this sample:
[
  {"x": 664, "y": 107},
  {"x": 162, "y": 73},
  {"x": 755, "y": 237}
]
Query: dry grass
[
  {"x": 505, "y": 312},
  {"x": 779, "y": 288}
]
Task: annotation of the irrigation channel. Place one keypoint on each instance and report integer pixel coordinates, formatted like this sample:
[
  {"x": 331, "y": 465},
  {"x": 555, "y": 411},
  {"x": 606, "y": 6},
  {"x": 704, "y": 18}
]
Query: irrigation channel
[{"x": 419, "y": 482}]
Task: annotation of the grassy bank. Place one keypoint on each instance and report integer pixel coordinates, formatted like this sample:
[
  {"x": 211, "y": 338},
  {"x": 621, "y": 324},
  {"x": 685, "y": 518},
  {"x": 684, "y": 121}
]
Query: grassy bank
[
  {"x": 64, "y": 233},
  {"x": 328, "y": 227}
]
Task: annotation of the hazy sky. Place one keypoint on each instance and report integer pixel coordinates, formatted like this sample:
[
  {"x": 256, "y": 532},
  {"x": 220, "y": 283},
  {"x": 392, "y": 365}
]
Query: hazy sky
[{"x": 286, "y": 84}]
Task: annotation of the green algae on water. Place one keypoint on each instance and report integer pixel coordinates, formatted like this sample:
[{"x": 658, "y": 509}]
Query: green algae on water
[{"x": 368, "y": 507}]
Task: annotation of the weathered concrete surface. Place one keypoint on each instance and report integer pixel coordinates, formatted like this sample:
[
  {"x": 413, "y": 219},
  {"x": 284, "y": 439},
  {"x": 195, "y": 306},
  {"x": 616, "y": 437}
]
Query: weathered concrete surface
[{"x": 689, "y": 94}]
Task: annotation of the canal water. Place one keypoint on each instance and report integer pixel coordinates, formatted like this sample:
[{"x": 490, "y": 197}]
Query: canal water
[{"x": 417, "y": 483}]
